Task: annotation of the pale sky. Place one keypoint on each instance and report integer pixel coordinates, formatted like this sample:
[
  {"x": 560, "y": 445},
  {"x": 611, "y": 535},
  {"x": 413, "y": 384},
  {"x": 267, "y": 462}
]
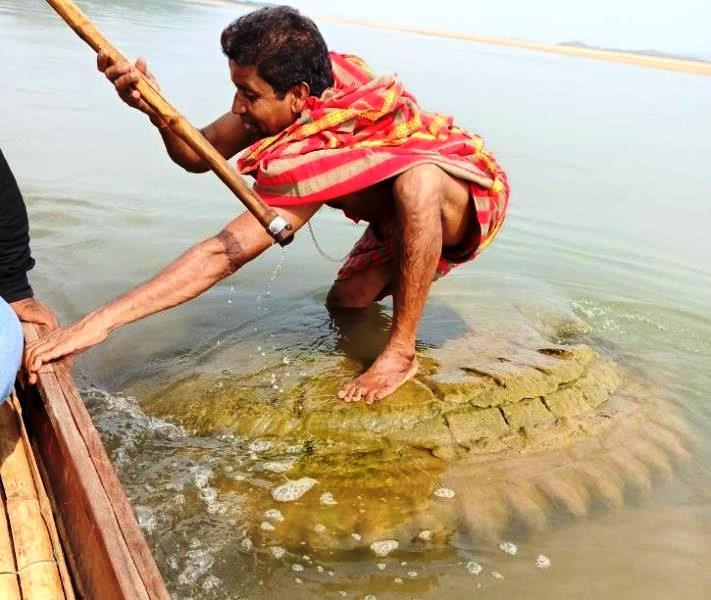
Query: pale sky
[{"x": 675, "y": 26}]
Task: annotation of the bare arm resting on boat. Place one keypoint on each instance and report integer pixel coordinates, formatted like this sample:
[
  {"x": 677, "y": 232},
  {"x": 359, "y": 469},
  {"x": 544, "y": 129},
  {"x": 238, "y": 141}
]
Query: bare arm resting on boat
[
  {"x": 194, "y": 272},
  {"x": 227, "y": 133}
]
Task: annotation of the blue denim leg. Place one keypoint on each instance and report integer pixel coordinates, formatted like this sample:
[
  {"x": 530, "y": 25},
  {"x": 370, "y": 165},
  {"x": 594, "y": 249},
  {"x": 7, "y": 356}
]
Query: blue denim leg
[{"x": 11, "y": 342}]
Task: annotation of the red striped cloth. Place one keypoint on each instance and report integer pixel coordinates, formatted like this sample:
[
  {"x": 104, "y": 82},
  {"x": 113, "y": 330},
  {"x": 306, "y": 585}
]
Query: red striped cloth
[{"x": 361, "y": 131}]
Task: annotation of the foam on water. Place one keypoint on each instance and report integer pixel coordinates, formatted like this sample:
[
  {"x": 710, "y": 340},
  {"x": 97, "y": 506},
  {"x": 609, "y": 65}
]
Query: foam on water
[
  {"x": 293, "y": 490},
  {"x": 384, "y": 547}
]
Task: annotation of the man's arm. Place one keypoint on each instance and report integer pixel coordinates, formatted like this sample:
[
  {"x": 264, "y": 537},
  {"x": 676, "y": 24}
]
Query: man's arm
[
  {"x": 227, "y": 133},
  {"x": 197, "y": 270}
]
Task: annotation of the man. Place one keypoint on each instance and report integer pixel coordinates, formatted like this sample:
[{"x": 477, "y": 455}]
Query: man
[
  {"x": 319, "y": 127},
  {"x": 16, "y": 297}
]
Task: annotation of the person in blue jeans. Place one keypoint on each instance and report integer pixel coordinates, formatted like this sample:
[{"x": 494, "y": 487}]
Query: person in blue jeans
[{"x": 17, "y": 302}]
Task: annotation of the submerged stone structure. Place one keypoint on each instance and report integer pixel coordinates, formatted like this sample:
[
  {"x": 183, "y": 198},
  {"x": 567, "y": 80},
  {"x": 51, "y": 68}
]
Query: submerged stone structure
[{"x": 498, "y": 430}]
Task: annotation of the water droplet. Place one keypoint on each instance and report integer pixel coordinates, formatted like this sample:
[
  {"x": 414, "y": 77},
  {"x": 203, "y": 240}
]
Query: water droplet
[
  {"x": 398, "y": 580},
  {"x": 265, "y": 526},
  {"x": 247, "y": 544},
  {"x": 425, "y": 535},
  {"x": 381, "y": 566},
  {"x": 319, "y": 568},
  {"x": 297, "y": 580},
  {"x": 320, "y": 528},
  {"x": 277, "y": 551},
  {"x": 496, "y": 575},
  {"x": 297, "y": 568},
  {"x": 285, "y": 360},
  {"x": 356, "y": 536},
  {"x": 412, "y": 574}
]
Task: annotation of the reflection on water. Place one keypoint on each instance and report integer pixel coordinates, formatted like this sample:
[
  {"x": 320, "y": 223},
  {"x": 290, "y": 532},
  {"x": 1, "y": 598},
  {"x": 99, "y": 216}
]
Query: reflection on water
[{"x": 608, "y": 227}]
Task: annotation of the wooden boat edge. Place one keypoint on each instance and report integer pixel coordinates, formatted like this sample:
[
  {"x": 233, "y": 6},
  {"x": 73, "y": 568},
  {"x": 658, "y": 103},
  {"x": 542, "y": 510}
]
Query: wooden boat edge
[{"x": 107, "y": 553}]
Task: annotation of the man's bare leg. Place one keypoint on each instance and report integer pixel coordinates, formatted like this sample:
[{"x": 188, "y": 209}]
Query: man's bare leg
[{"x": 419, "y": 196}]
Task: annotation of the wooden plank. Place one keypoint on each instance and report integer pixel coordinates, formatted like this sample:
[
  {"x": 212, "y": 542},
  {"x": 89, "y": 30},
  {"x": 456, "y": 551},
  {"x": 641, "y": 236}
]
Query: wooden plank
[
  {"x": 115, "y": 558},
  {"x": 132, "y": 534},
  {"x": 103, "y": 560}
]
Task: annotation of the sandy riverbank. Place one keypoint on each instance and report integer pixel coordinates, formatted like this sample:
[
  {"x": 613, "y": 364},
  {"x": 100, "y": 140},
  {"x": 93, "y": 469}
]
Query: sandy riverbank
[{"x": 641, "y": 60}]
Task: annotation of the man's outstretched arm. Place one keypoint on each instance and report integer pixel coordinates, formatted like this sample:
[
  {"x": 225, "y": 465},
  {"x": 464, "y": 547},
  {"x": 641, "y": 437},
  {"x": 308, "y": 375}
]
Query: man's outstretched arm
[{"x": 197, "y": 270}]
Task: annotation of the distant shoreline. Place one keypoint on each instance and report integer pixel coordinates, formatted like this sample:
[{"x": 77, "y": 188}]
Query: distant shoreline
[{"x": 681, "y": 65}]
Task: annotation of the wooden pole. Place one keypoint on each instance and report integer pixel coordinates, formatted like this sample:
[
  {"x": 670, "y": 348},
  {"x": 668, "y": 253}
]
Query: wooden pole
[{"x": 278, "y": 227}]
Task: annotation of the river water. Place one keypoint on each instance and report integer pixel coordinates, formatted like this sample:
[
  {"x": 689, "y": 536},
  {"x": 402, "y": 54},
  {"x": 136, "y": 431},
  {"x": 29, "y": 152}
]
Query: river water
[{"x": 608, "y": 223}]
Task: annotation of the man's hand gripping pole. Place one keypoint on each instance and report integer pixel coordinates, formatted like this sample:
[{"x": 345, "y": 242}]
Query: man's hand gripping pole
[{"x": 277, "y": 226}]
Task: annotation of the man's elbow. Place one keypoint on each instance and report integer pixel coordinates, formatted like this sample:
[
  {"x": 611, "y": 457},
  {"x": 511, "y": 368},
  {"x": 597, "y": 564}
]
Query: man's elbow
[
  {"x": 233, "y": 252},
  {"x": 195, "y": 167}
]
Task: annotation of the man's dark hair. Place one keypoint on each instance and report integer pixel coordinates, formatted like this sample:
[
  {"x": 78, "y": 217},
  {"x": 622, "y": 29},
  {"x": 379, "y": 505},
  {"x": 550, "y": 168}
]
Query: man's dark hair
[{"x": 285, "y": 47}]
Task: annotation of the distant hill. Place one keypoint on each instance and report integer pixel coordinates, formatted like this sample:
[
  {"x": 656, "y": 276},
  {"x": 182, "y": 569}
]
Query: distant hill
[{"x": 654, "y": 53}]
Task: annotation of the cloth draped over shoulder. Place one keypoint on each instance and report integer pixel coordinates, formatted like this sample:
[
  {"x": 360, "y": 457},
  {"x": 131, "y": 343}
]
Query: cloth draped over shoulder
[{"x": 361, "y": 131}]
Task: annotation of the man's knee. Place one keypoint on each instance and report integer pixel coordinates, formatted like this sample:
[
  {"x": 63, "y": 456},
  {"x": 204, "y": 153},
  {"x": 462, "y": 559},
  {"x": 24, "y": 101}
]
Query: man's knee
[
  {"x": 420, "y": 188},
  {"x": 341, "y": 297}
]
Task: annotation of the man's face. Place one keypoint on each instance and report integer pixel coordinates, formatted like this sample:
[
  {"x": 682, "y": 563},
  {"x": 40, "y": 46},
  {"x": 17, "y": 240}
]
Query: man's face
[{"x": 262, "y": 112}]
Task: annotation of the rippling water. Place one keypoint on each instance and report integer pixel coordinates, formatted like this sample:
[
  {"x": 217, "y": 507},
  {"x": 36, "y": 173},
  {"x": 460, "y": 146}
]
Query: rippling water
[{"x": 608, "y": 223}]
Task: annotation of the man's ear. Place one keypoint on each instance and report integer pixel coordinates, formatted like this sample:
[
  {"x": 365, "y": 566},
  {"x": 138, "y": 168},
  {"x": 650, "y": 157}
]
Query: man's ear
[{"x": 299, "y": 93}]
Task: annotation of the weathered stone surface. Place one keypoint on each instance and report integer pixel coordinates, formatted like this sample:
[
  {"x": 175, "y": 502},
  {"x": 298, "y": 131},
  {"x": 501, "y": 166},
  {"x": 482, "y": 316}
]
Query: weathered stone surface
[
  {"x": 469, "y": 427},
  {"x": 515, "y": 425},
  {"x": 528, "y": 414}
]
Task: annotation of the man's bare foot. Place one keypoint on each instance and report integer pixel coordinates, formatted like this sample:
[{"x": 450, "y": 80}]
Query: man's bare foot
[{"x": 390, "y": 370}]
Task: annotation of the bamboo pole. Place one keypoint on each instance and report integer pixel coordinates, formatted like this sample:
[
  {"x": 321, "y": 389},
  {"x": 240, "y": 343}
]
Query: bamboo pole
[
  {"x": 44, "y": 503},
  {"x": 9, "y": 586},
  {"x": 278, "y": 227},
  {"x": 36, "y": 565}
]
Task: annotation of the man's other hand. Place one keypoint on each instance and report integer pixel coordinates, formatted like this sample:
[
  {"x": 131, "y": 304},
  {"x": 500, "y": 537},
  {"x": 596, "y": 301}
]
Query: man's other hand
[
  {"x": 124, "y": 77},
  {"x": 32, "y": 310}
]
